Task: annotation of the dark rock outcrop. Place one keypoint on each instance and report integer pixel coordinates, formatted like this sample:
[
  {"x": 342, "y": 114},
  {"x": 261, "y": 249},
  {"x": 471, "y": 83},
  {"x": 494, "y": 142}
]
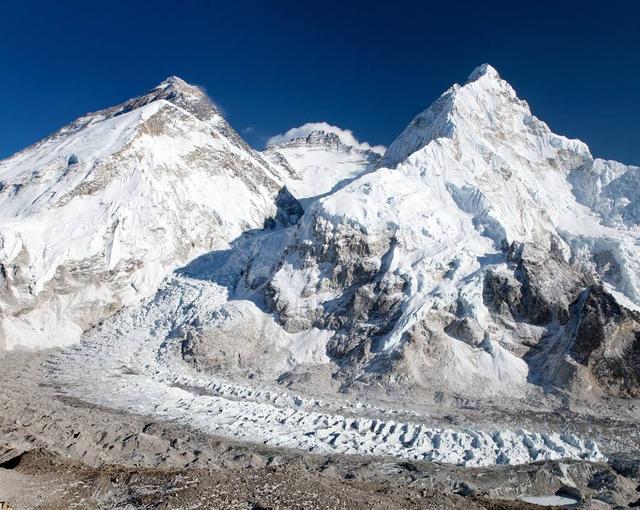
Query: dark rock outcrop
[{"x": 606, "y": 342}]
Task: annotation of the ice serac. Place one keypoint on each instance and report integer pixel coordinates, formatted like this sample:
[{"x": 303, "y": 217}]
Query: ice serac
[
  {"x": 93, "y": 217},
  {"x": 460, "y": 256},
  {"x": 319, "y": 163}
]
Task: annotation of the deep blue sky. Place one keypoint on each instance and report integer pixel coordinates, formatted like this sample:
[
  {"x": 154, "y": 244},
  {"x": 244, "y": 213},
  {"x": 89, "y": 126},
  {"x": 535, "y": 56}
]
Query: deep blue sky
[{"x": 368, "y": 66}]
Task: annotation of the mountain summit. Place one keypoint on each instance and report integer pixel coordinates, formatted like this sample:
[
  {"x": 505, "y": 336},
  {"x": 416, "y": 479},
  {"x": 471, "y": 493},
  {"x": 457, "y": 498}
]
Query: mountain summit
[
  {"x": 96, "y": 215},
  {"x": 320, "y": 162},
  {"x": 473, "y": 115},
  {"x": 484, "y": 70}
]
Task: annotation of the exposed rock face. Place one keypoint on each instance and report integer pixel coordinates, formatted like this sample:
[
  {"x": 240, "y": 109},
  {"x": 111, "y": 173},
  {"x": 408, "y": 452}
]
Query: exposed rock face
[
  {"x": 606, "y": 342},
  {"x": 548, "y": 284}
]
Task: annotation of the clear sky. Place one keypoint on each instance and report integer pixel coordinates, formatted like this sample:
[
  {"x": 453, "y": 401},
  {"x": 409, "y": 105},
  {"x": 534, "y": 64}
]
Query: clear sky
[{"x": 367, "y": 66}]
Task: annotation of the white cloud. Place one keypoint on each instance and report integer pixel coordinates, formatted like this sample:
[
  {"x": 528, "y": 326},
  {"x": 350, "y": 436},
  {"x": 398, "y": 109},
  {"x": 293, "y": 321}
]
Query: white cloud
[{"x": 346, "y": 136}]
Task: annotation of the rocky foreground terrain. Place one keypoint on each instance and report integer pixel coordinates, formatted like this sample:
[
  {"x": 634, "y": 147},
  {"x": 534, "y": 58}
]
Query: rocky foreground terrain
[{"x": 60, "y": 453}]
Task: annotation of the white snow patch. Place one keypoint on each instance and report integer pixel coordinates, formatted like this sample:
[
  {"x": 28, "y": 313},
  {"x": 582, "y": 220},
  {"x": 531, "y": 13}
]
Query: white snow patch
[{"x": 549, "y": 500}]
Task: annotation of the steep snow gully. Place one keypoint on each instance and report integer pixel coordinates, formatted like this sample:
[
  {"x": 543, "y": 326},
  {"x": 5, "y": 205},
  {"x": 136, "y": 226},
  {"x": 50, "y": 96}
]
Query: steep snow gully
[{"x": 325, "y": 297}]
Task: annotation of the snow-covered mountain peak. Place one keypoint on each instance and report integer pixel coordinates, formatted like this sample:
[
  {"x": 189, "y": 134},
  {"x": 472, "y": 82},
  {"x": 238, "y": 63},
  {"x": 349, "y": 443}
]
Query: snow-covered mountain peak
[
  {"x": 319, "y": 138},
  {"x": 186, "y": 96},
  {"x": 315, "y": 137},
  {"x": 486, "y": 115},
  {"x": 174, "y": 87},
  {"x": 140, "y": 188},
  {"x": 484, "y": 70},
  {"x": 299, "y": 135},
  {"x": 173, "y": 81},
  {"x": 419, "y": 242},
  {"x": 318, "y": 162}
]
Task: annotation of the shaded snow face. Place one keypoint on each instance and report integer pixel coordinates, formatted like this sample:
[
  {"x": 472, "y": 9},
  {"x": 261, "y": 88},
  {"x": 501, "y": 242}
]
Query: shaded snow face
[{"x": 611, "y": 189}]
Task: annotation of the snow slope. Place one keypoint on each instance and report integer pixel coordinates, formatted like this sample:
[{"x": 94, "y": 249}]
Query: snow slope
[
  {"x": 319, "y": 163},
  {"x": 94, "y": 217}
]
